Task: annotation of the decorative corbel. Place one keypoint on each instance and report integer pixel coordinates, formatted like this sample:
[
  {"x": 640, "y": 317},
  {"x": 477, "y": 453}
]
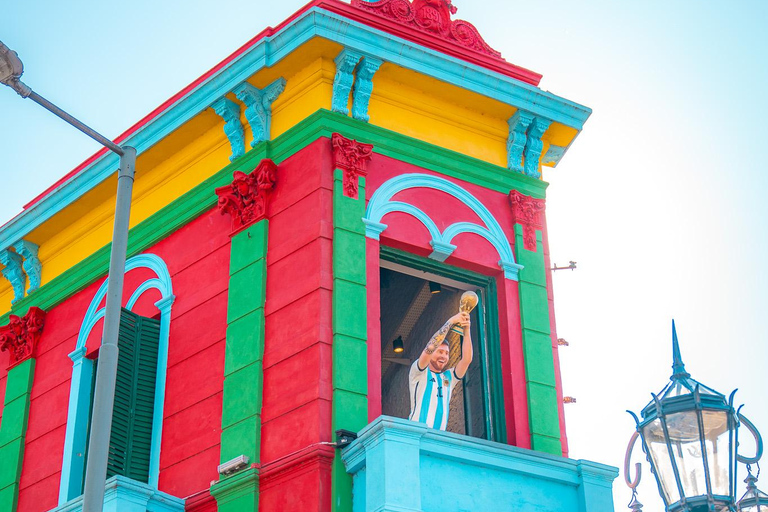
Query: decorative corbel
[
  {"x": 13, "y": 273},
  {"x": 364, "y": 87},
  {"x": 553, "y": 154},
  {"x": 346, "y": 62},
  {"x": 233, "y": 128},
  {"x": 258, "y": 103},
  {"x": 246, "y": 199},
  {"x": 351, "y": 157},
  {"x": 21, "y": 335},
  {"x": 31, "y": 265},
  {"x": 534, "y": 146},
  {"x": 527, "y": 211},
  {"x": 518, "y": 128}
]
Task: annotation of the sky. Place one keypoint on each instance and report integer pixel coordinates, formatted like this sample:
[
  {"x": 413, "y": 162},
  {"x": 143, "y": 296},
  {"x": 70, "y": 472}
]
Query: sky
[{"x": 659, "y": 200}]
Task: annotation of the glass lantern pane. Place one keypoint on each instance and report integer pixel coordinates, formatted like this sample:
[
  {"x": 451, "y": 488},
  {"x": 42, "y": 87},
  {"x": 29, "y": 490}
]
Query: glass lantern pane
[
  {"x": 653, "y": 434},
  {"x": 683, "y": 428},
  {"x": 717, "y": 440}
]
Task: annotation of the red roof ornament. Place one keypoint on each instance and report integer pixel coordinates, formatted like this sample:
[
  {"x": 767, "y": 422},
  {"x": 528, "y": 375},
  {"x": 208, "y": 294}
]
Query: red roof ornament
[
  {"x": 351, "y": 157},
  {"x": 21, "y": 335},
  {"x": 527, "y": 212},
  {"x": 245, "y": 200},
  {"x": 432, "y": 16}
]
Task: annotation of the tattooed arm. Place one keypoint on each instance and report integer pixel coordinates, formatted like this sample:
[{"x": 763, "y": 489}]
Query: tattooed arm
[{"x": 437, "y": 339}]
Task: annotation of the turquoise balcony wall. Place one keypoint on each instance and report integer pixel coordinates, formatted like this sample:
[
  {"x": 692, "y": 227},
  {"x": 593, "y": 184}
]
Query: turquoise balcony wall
[{"x": 403, "y": 466}]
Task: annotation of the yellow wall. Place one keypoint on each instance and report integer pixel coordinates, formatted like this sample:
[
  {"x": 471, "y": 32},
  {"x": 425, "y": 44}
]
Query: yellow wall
[{"x": 402, "y": 101}]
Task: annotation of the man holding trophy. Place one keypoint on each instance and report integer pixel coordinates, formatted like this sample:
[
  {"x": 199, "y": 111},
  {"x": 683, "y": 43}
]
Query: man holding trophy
[{"x": 430, "y": 381}]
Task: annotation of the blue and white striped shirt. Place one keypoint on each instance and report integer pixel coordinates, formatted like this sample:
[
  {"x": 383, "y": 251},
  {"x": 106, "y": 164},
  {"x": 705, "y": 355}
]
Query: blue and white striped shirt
[{"x": 431, "y": 395}]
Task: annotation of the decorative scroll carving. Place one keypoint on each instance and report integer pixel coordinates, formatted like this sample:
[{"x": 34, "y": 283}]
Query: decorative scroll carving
[
  {"x": 13, "y": 273},
  {"x": 351, "y": 157},
  {"x": 233, "y": 128},
  {"x": 346, "y": 61},
  {"x": 245, "y": 200},
  {"x": 21, "y": 335},
  {"x": 258, "y": 104},
  {"x": 31, "y": 265},
  {"x": 364, "y": 87},
  {"x": 518, "y": 127},
  {"x": 534, "y": 146},
  {"x": 432, "y": 16},
  {"x": 527, "y": 211}
]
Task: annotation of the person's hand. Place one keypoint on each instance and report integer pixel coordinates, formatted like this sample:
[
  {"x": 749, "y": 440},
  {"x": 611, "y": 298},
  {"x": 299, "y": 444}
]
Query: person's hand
[{"x": 461, "y": 319}]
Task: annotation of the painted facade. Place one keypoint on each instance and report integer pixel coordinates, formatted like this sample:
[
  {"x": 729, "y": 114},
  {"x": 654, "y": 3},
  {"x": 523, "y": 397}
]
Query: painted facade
[{"x": 273, "y": 196}]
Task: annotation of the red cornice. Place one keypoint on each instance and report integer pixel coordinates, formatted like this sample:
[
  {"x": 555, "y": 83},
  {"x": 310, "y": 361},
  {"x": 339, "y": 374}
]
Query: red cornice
[
  {"x": 498, "y": 65},
  {"x": 200, "y": 502},
  {"x": 313, "y": 457}
]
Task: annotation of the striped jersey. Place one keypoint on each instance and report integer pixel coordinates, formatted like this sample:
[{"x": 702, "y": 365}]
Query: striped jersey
[{"x": 431, "y": 395}]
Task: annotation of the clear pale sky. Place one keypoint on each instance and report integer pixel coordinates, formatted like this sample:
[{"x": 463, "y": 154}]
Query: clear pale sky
[{"x": 660, "y": 200}]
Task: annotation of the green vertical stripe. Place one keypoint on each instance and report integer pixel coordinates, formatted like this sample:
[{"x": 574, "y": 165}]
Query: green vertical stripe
[
  {"x": 243, "y": 368},
  {"x": 13, "y": 430},
  {"x": 350, "y": 328},
  {"x": 541, "y": 388}
]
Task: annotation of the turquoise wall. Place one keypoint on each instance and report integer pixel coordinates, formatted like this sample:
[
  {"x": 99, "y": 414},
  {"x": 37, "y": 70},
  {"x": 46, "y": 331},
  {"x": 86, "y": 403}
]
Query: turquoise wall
[{"x": 404, "y": 466}]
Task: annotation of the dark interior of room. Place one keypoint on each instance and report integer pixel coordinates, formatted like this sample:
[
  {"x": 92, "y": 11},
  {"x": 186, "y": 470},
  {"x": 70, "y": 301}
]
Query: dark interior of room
[{"x": 414, "y": 308}]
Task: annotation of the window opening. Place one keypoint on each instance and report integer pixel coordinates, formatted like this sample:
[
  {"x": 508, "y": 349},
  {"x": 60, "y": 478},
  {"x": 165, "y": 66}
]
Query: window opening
[
  {"x": 132, "y": 414},
  {"x": 416, "y": 303}
]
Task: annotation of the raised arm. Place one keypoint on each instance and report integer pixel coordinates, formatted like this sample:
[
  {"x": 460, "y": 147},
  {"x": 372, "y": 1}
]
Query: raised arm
[
  {"x": 466, "y": 348},
  {"x": 433, "y": 343}
]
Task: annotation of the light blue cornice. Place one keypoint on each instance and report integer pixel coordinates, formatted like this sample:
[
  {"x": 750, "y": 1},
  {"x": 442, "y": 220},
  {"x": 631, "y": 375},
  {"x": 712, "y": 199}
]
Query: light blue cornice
[{"x": 267, "y": 52}]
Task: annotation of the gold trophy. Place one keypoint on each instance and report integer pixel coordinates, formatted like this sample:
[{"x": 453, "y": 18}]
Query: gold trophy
[{"x": 466, "y": 305}]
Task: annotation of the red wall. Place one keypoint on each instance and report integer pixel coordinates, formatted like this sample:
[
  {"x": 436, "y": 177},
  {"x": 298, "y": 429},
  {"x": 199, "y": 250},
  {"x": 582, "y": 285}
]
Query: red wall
[
  {"x": 296, "y": 413},
  {"x": 198, "y": 261}
]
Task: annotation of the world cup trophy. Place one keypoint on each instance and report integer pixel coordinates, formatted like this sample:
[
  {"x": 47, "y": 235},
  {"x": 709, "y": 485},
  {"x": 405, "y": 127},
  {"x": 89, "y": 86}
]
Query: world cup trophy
[{"x": 467, "y": 303}]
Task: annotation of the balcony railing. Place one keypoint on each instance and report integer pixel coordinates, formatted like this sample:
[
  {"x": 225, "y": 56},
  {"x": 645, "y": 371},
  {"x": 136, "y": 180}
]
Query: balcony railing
[{"x": 403, "y": 466}]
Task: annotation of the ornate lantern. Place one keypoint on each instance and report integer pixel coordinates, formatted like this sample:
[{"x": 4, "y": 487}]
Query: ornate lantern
[
  {"x": 754, "y": 500},
  {"x": 689, "y": 433}
]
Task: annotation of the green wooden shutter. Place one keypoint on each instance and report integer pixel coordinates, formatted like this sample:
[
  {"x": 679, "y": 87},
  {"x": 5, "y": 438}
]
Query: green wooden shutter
[{"x": 131, "y": 436}]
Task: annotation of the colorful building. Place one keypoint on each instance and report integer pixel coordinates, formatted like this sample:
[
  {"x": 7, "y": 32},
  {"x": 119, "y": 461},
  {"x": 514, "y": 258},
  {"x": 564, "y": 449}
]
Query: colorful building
[{"x": 329, "y": 188}]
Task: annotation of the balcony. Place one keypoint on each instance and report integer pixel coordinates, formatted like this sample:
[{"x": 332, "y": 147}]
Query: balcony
[{"x": 403, "y": 466}]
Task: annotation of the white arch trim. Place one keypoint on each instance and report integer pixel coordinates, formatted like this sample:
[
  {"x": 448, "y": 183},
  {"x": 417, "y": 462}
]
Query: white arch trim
[
  {"x": 82, "y": 374},
  {"x": 381, "y": 204}
]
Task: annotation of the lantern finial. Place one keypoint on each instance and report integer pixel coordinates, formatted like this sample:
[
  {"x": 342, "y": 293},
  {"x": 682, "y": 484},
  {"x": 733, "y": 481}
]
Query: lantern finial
[{"x": 678, "y": 367}]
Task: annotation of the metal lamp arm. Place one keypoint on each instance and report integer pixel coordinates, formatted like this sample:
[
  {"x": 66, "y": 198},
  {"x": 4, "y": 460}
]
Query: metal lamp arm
[
  {"x": 632, "y": 484},
  {"x": 758, "y": 442}
]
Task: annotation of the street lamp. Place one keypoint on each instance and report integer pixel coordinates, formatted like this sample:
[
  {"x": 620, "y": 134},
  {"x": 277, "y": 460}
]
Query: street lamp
[
  {"x": 689, "y": 434},
  {"x": 11, "y": 69},
  {"x": 754, "y": 500}
]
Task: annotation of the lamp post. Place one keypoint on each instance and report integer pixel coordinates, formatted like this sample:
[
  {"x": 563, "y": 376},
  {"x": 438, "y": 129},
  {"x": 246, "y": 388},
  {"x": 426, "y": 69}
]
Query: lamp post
[
  {"x": 689, "y": 434},
  {"x": 11, "y": 69}
]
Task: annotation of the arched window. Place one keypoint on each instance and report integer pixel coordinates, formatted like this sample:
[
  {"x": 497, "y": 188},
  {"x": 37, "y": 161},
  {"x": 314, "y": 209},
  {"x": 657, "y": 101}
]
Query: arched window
[{"x": 146, "y": 346}]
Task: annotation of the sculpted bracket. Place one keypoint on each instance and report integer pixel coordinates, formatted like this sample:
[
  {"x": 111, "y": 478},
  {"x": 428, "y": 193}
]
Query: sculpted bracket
[
  {"x": 21, "y": 335},
  {"x": 351, "y": 157},
  {"x": 258, "y": 103},
  {"x": 346, "y": 62},
  {"x": 233, "y": 128},
  {"x": 14, "y": 273},
  {"x": 246, "y": 199},
  {"x": 527, "y": 211}
]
